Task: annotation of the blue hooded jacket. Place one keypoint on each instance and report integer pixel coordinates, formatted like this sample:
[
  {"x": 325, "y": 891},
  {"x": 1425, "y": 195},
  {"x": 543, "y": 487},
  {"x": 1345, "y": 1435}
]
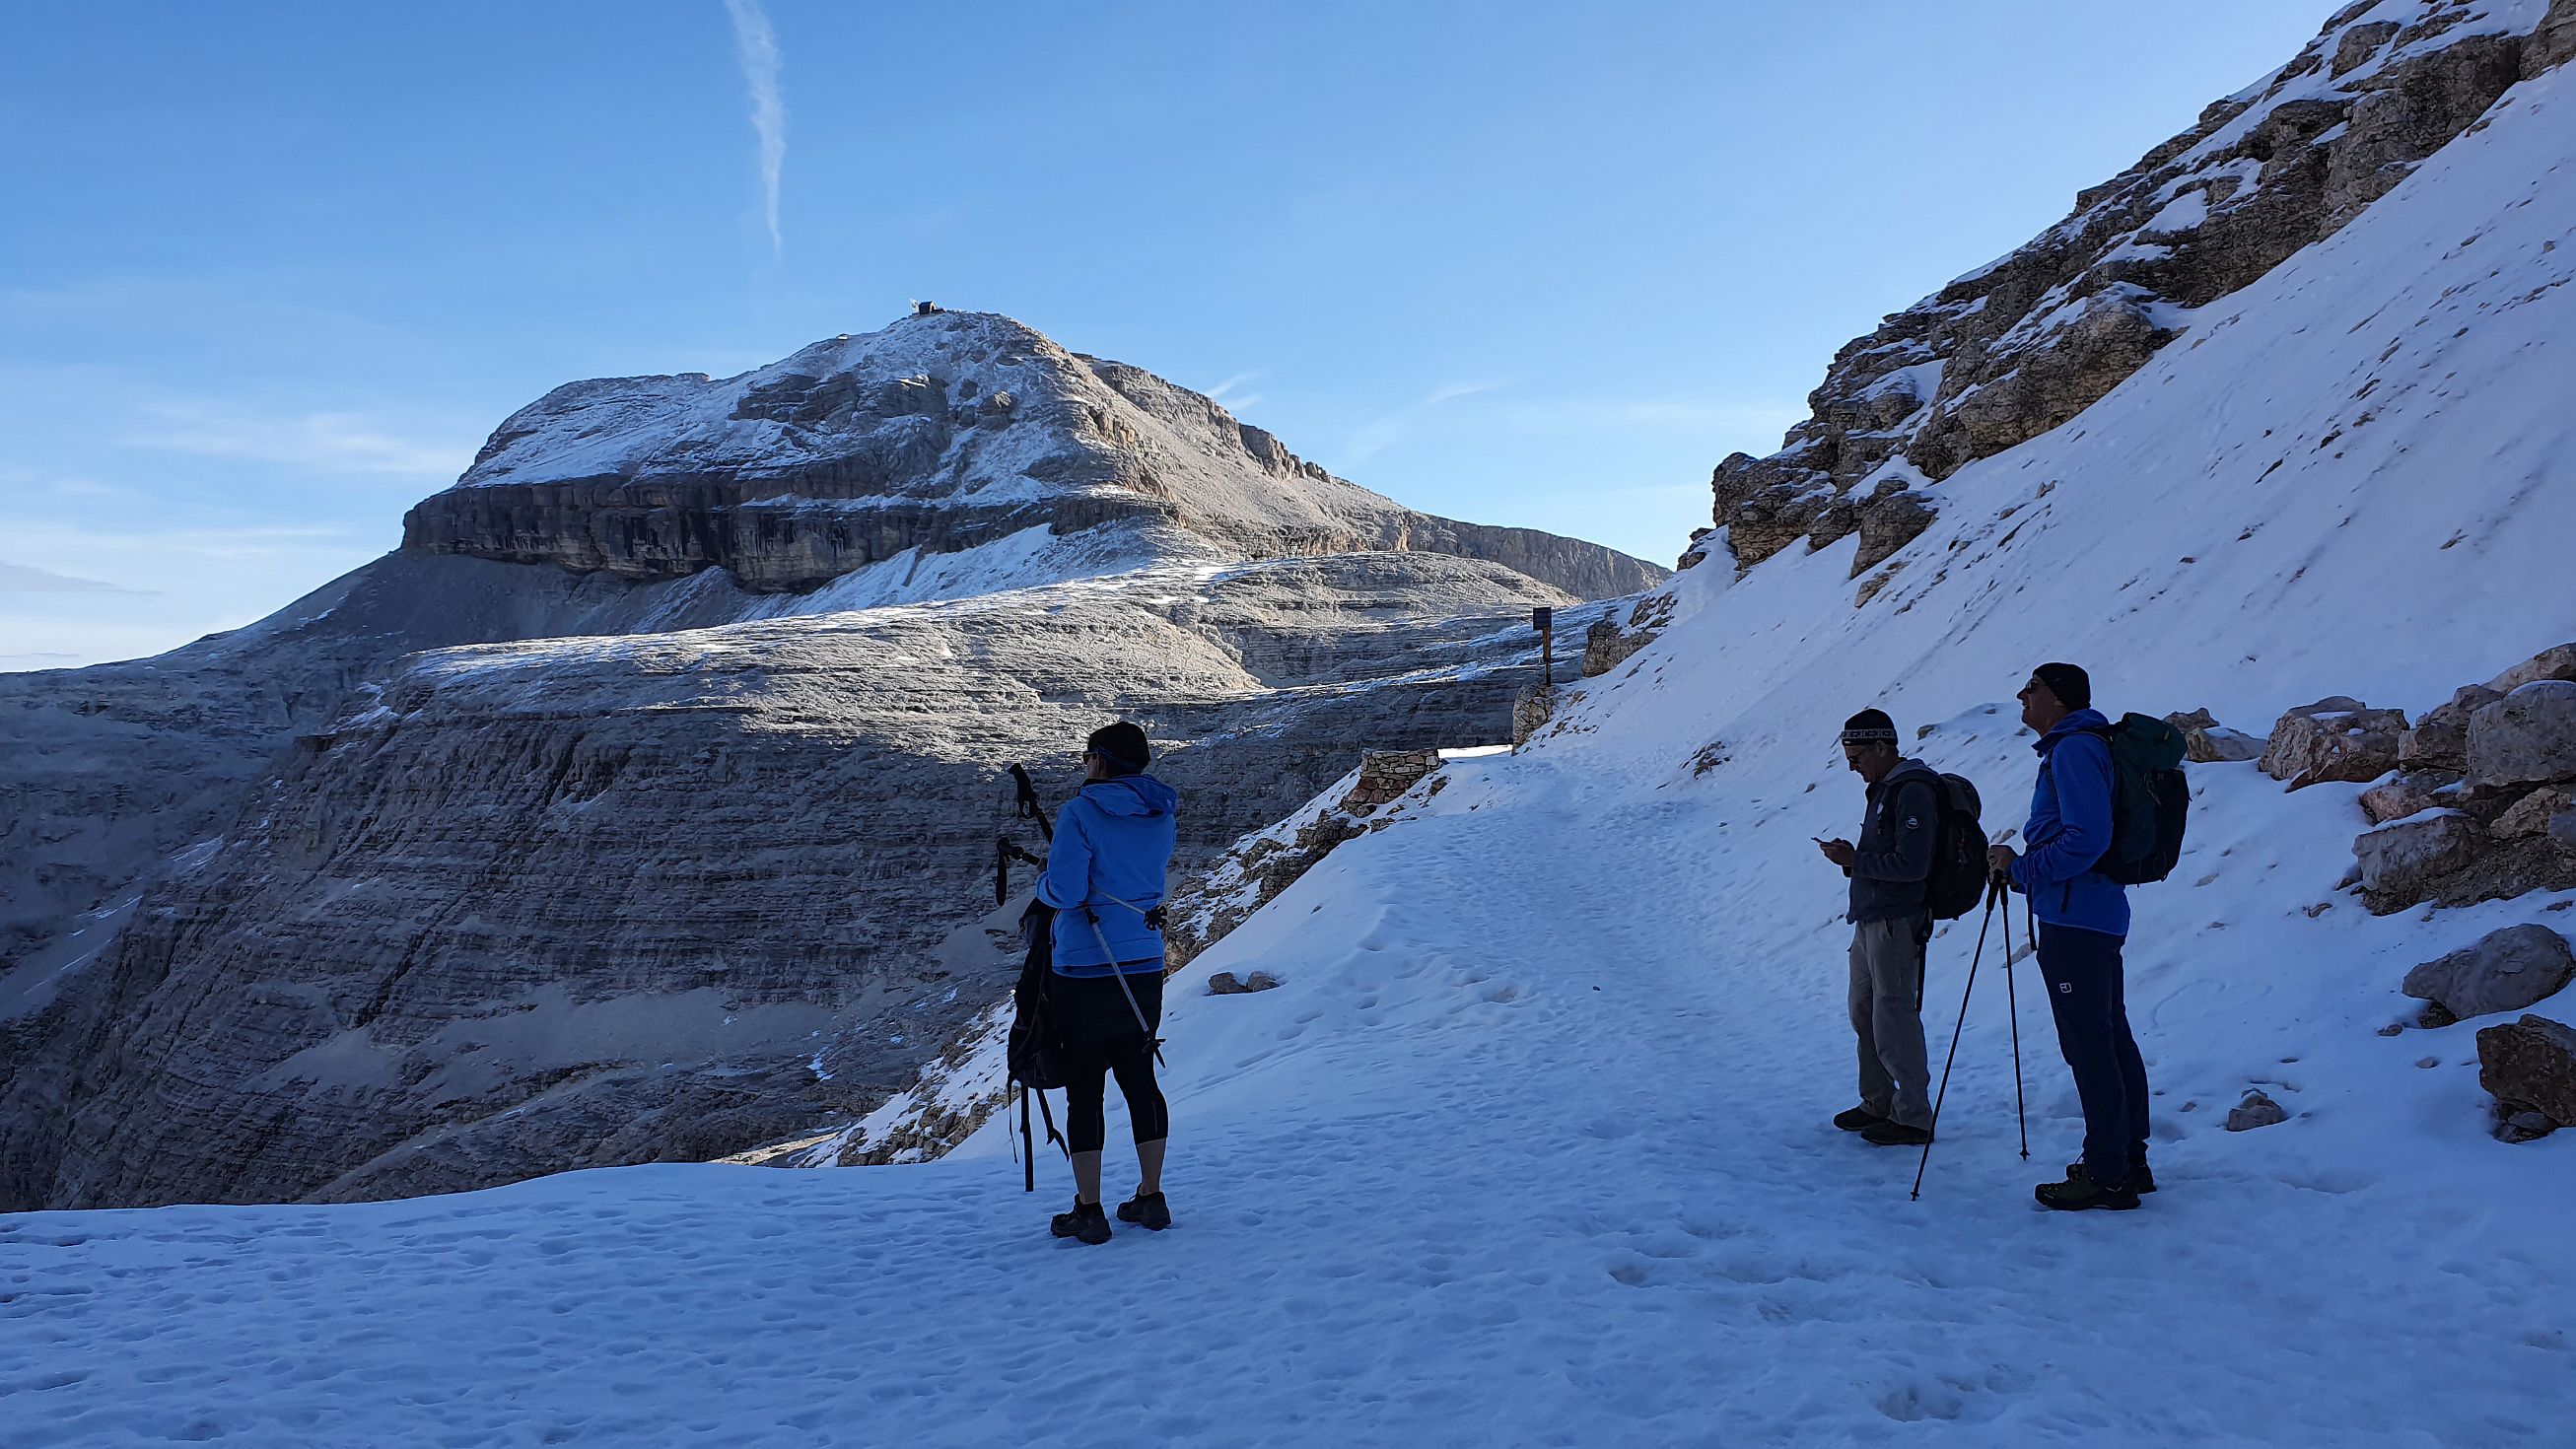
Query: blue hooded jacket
[
  {"x": 1113, "y": 842},
  {"x": 2069, "y": 829}
]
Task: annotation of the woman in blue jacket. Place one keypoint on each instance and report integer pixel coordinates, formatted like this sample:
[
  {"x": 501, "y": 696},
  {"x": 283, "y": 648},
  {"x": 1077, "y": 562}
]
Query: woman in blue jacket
[{"x": 1104, "y": 877}]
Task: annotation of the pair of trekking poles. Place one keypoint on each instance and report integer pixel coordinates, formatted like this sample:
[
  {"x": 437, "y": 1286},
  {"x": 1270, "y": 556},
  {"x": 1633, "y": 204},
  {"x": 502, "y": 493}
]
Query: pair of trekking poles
[{"x": 1995, "y": 893}]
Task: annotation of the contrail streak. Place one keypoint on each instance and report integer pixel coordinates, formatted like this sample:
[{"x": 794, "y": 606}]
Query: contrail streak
[{"x": 759, "y": 47}]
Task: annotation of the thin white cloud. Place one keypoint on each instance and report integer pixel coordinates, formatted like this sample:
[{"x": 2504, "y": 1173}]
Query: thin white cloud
[
  {"x": 1229, "y": 394},
  {"x": 319, "y": 442},
  {"x": 28, "y": 579},
  {"x": 1373, "y": 437},
  {"x": 758, "y": 46}
]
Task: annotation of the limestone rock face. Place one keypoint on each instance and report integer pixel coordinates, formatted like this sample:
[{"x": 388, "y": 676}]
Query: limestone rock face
[
  {"x": 2504, "y": 970},
  {"x": 943, "y": 432},
  {"x": 1607, "y": 645},
  {"x": 576, "y": 902},
  {"x": 2526, "y": 738},
  {"x": 2333, "y": 739},
  {"x": 2530, "y": 1065},
  {"x": 2022, "y": 345},
  {"x": 574, "y": 834}
]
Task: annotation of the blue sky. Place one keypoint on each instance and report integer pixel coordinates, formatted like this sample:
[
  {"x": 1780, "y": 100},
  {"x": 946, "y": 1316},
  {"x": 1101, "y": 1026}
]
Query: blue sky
[{"x": 270, "y": 273}]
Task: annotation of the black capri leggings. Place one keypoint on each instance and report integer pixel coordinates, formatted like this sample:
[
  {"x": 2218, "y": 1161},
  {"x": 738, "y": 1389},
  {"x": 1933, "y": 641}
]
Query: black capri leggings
[{"x": 1086, "y": 1093}]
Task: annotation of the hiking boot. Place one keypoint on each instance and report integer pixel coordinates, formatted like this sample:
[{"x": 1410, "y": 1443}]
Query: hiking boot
[
  {"x": 1147, "y": 1210},
  {"x": 2142, "y": 1178},
  {"x": 1086, "y": 1223},
  {"x": 2079, "y": 1191},
  {"x": 1884, "y": 1133},
  {"x": 1858, "y": 1119}
]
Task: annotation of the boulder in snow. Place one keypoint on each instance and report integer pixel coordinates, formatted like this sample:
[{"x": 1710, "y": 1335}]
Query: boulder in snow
[
  {"x": 2526, "y": 738},
  {"x": 1226, "y": 983},
  {"x": 2530, "y": 1066},
  {"x": 1531, "y": 711},
  {"x": 2504, "y": 970},
  {"x": 2400, "y": 861},
  {"x": 2334, "y": 739},
  {"x": 2257, "y": 1110},
  {"x": 2207, "y": 742},
  {"x": 2440, "y": 740}
]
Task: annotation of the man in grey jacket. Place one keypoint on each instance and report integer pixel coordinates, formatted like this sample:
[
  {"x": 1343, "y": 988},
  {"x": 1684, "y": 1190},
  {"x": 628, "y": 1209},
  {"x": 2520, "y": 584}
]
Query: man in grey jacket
[{"x": 1890, "y": 927}]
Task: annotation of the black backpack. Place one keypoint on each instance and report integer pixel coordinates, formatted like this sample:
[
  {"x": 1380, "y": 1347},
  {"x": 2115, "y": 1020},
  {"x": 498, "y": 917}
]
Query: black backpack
[
  {"x": 2150, "y": 799},
  {"x": 1035, "y": 1055},
  {"x": 1958, "y": 878}
]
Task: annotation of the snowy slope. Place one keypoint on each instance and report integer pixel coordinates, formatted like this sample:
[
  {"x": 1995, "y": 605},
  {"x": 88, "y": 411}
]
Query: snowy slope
[{"x": 1530, "y": 1146}]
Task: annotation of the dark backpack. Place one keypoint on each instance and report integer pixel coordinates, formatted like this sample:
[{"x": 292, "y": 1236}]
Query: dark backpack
[
  {"x": 1036, "y": 1056},
  {"x": 2150, "y": 799},
  {"x": 1958, "y": 878}
]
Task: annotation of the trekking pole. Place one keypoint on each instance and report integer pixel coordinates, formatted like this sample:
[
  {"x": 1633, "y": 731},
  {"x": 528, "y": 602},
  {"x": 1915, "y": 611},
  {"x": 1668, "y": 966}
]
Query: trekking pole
[
  {"x": 1930, "y": 1133},
  {"x": 2012, "y": 1002}
]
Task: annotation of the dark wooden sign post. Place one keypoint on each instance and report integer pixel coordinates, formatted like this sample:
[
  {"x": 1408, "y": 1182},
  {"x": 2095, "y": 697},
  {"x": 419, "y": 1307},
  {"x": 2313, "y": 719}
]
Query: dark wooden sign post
[{"x": 1544, "y": 621}]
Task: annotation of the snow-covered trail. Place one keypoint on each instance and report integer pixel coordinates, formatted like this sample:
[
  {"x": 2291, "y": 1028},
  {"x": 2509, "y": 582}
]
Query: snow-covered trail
[{"x": 1531, "y": 1149}]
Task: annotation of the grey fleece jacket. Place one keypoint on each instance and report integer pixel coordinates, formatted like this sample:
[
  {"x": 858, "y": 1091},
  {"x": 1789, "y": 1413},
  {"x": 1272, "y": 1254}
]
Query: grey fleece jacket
[{"x": 1895, "y": 845}]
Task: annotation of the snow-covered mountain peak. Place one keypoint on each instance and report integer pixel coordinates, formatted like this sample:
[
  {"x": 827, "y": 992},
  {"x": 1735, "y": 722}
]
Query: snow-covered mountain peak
[{"x": 942, "y": 432}]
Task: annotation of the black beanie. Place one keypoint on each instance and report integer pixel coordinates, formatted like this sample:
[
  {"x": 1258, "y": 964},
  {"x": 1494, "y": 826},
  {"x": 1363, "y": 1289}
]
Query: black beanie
[
  {"x": 1121, "y": 747},
  {"x": 2073, "y": 688}
]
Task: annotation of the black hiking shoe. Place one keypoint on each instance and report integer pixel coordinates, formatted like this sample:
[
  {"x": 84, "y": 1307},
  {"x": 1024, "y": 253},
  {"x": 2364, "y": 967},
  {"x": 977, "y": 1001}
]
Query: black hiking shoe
[
  {"x": 2079, "y": 1191},
  {"x": 1884, "y": 1133},
  {"x": 1146, "y": 1210},
  {"x": 1858, "y": 1119},
  {"x": 1086, "y": 1223},
  {"x": 2141, "y": 1180}
]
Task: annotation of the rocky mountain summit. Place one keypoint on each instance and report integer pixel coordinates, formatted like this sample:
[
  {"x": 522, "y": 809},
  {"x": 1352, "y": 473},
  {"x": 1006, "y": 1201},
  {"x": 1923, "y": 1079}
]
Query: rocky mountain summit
[
  {"x": 943, "y": 432},
  {"x": 642, "y": 806},
  {"x": 2021, "y": 345}
]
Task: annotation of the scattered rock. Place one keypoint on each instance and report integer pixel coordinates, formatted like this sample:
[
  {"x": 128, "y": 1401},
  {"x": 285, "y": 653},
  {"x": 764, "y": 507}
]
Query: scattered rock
[
  {"x": 1226, "y": 983},
  {"x": 2528, "y": 737},
  {"x": 2505, "y": 970},
  {"x": 2207, "y": 742},
  {"x": 2333, "y": 739},
  {"x": 2396, "y": 799},
  {"x": 2525, "y": 1127},
  {"x": 2394, "y": 1028},
  {"x": 2530, "y": 815},
  {"x": 2401, "y": 861},
  {"x": 2257, "y": 1110},
  {"x": 2530, "y": 1066}
]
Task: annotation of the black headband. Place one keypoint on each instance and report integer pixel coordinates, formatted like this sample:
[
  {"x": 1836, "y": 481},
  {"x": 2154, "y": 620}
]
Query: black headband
[{"x": 1865, "y": 737}]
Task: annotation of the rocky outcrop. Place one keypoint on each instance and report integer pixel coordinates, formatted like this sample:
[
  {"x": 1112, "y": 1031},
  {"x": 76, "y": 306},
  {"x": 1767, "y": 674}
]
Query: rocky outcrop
[
  {"x": 943, "y": 432},
  {"x": 2504, "y": 970},
  {"x": 1607, "y": 644},
  {"x": 2476, "y": 814},
  {"x": 2257, "y": 1110},
  {"x": 2022, "y": 345}
]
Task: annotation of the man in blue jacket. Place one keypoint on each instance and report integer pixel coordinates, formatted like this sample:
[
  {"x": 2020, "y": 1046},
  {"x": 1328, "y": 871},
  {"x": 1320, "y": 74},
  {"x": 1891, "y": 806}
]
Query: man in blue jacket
[
  {"x": 2083, "y": 923},
  {"x": 1104, "y": 881}
]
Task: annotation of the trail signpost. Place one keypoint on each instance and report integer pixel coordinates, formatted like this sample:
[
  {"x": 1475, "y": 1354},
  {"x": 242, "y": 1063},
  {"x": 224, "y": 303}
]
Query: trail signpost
[{"x": 1543, "y": 619}]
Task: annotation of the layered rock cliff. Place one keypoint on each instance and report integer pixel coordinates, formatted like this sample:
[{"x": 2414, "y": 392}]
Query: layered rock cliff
[
  {"x": 639, "y": 808},
  {"x": 2022, "y": 345},
  {"x": 940, "y": 433}
]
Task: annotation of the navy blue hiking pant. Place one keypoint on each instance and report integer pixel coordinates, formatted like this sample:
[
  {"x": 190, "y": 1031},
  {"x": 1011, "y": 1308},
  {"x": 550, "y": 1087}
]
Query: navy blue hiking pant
[{"x": 2082, "y": 969}]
